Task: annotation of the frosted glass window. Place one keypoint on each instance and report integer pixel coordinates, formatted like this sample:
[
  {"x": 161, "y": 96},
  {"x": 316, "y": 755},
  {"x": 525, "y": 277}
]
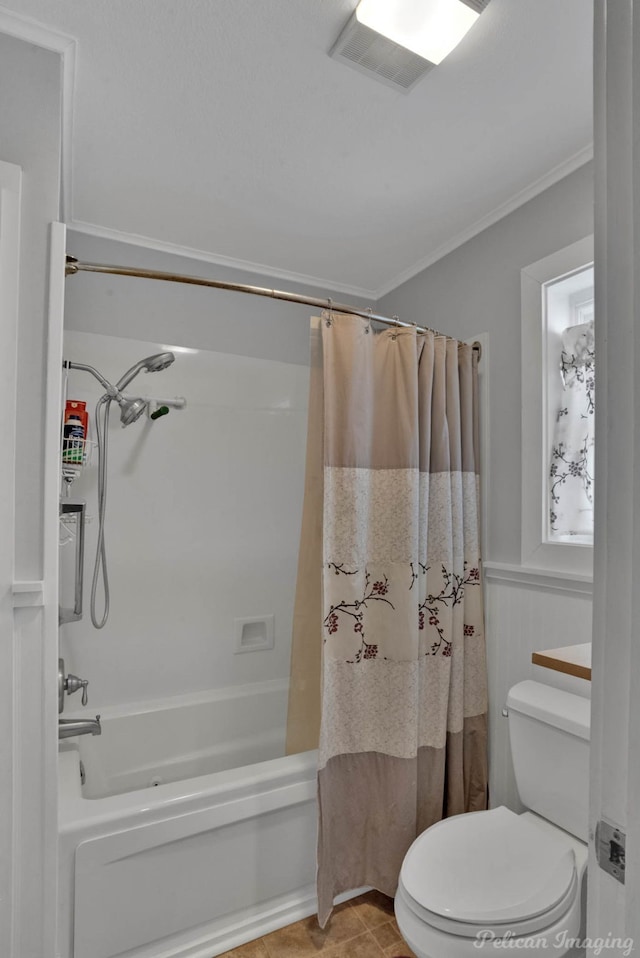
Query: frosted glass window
[
  {"x": 558, "y": 402},
  {"x": 569, "y": 332}
]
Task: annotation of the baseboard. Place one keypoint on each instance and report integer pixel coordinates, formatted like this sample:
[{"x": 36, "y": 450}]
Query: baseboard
[{"x": 225, "y": 934}]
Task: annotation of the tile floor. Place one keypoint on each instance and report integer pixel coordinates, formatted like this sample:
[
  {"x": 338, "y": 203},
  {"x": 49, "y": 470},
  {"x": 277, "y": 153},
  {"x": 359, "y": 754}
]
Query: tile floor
[{"x": 361, "y": 928}]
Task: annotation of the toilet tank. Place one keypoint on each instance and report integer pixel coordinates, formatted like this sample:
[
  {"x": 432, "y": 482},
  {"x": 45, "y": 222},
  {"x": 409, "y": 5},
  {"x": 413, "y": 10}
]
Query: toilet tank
[{"x": 549, "y": 733}]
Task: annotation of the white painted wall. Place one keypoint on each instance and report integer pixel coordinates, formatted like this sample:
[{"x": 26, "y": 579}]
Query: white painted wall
[
  {"x": 30, "y": 114},
  {"x": 203, "y": 521},
  {"x": 474, "y": 289}
]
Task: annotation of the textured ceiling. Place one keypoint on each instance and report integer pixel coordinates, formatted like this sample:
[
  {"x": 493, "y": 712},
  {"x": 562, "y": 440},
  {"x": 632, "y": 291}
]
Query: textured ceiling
[{"x": 222, "y": 126}]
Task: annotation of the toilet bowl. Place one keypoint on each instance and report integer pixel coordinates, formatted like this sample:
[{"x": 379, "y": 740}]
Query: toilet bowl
[
  {"x": 484, "y": 881},
  {"x": 472, "y": 882}
]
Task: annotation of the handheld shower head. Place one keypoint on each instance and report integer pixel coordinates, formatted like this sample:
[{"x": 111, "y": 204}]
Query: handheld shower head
[
  {"x": 152, "y": 364},
  {"x": 132, "y": 409}
]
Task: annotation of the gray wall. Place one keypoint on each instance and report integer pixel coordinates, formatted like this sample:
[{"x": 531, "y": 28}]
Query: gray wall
[
  {"x": 476, "y": 289},
  {"x": 180, "y": 315}
]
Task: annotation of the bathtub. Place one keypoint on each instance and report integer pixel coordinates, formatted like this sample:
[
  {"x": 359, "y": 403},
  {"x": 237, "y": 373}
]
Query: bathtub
[{"x": 192, "y": 832}]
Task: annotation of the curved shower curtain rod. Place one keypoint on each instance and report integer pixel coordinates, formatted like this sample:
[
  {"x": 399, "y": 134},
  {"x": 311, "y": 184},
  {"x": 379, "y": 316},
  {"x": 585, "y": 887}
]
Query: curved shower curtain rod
[{"x": 73, "y": 266}]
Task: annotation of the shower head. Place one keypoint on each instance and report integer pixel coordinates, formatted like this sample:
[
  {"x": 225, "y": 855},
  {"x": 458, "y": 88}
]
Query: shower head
[
  {"x": 152, "y": 364},
  {"x": 131, "y": 409}
]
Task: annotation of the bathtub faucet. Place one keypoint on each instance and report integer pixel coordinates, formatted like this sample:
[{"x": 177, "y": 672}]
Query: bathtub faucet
[{"x": 67, "y": 728}]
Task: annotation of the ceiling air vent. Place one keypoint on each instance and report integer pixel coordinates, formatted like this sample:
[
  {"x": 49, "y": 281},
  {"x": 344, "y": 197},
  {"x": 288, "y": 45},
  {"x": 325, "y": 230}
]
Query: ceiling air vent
[{"x": 369, "y": 52}]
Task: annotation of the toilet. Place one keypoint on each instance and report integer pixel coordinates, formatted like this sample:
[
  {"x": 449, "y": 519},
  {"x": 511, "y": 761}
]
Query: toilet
[{"x": 476, "y": 883}]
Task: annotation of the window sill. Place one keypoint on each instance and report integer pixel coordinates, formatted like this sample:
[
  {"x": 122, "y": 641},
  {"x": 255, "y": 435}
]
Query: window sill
[
  {"x": 572, "y": 559},
  {"x": 576, "y": 540},
  {"x": 548, "y": 580}
]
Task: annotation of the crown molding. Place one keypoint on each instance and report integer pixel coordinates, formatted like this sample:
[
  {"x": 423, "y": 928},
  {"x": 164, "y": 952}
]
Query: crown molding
[
  {"x": 31, "y": 31},
  {"x": 147, "y": 242},
  {"x": 519, "y": 199}
]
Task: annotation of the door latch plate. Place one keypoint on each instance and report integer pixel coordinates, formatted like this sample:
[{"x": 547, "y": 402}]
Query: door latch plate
[{"x": 610, "y": 849}]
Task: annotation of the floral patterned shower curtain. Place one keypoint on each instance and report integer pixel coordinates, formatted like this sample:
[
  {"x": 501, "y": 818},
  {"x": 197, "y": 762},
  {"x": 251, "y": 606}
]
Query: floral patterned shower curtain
[{"x": 404, "y": 701}]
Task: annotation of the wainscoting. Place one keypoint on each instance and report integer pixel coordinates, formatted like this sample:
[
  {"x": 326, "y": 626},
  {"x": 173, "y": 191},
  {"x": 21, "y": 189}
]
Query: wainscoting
[{"x": 526, "y": 611}]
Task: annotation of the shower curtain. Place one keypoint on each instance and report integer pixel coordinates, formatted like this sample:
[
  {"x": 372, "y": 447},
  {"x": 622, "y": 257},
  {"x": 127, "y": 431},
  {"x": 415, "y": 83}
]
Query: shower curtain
[{"x": 396, "y": 584}]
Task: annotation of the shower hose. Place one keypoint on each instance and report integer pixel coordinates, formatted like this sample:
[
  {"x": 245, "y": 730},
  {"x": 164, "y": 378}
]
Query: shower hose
[{"x": 103, "y": 407}]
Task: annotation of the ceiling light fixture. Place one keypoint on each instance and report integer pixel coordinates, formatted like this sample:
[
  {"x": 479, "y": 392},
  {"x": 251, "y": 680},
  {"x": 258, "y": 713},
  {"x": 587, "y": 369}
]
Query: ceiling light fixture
[
  {"x": 430, "y": 28},
  {"x": 399, "y": 41}
]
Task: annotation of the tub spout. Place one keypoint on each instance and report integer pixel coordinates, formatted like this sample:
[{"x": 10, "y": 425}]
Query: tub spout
[{"x": 67, "y": 728}]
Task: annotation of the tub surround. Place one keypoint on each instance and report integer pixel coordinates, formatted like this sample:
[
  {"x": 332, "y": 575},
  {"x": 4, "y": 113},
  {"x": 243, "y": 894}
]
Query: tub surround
[
  {"x": 570, "y": 659},
  {"x": 225, "y": 474},
  {"x": 120, "y": 856},
  {"x": 170, "y": 792}
]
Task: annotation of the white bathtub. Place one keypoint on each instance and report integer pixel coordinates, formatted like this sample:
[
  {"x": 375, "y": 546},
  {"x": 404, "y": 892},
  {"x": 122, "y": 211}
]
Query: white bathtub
[{"x": 184, "y": 842}]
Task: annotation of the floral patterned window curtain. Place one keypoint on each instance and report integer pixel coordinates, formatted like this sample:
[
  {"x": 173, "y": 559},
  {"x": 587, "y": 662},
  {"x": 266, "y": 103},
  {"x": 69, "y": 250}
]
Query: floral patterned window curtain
[{"x": 572, "y": 452}]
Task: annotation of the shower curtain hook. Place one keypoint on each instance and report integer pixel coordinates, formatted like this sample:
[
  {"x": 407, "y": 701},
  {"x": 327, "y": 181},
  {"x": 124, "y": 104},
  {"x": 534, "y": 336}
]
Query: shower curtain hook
[
  {"x": 368, "y": 310},
  {"x": 330, "y": 308}
]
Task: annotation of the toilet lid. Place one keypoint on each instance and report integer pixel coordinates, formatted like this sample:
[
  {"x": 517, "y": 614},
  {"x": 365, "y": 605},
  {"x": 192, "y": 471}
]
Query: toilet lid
[{"x": 488, "y": 867}]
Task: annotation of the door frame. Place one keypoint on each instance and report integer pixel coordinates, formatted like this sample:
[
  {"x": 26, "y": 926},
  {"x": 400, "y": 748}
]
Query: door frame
[
  {"x": 10, "y": 198},
  {"x": 615, "y": 721}
]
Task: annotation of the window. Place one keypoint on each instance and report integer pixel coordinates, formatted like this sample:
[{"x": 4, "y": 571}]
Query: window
[
  {"x": 558, "y": 372},
  {"x": 570, "y": 406}
]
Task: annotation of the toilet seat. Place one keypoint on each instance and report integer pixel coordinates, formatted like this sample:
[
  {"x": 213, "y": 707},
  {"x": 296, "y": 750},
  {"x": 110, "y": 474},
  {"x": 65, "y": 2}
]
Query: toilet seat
[{"x": 490, "y": 870}]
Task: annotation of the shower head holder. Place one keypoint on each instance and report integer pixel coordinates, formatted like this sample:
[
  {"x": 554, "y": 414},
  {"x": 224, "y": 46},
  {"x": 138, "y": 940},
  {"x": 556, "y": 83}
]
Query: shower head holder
[{"x": 156, "y": 403}]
